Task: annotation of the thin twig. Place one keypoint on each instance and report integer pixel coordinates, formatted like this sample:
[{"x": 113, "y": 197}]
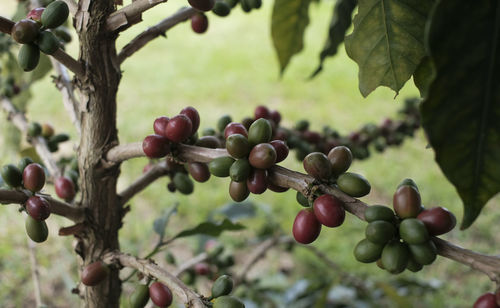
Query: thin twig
[
  {"x": 19, "y": 120},
  {"x": 130, "y": 14},
  {"x": 56, "y": 207},
  {"x": 35, "y": 274},
  {"x": 158, "y": 170},
  {"x": 190, "y": 263},
  {"x": 155, "y": 31},
  {"x": 124, "y": 152},
  {"x": 146, "y": 266}
]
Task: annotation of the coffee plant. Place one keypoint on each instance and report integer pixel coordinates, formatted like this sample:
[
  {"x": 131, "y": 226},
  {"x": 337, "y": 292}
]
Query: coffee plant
[{"x": 449, "y": 48}]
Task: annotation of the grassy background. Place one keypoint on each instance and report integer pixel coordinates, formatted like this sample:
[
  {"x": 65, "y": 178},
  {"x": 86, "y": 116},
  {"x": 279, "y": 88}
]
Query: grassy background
[{"x": 230, "y": 70}]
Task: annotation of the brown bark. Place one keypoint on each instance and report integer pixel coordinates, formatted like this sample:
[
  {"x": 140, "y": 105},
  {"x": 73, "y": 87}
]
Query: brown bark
[{"x": 98, "y": 86}]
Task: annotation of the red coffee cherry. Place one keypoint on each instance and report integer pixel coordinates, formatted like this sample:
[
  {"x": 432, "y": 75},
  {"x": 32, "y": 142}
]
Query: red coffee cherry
[
  {"x": 65, "y": 189},
  {"x": 202, "y": 5},
  {"x": 199, "y": 171},
  {"x": 160, "y": 294},
  {"x": 438, "y": 220},
  {"x": 262, "y": 156},
  {"x": 94, "y": 273},
  {"x": 33, "y": 177},
  {"x": 156, "y": 146},
  {"x": 38, "y": 208},
  {"x": 209, "y": 142},
  {"x": 179, "y": 128},
  {"x": 25, "y": 31},
  {"x": 160, "y": 125},
  {"x": 311, "y": 137},
  {"x": 276, "y": 188},
  {"x": 36, "y": 14},
  {"x": 407, "y": 202},
  {"x": 317, "y": 165},
  {"x": 257, "y": 181},
  {"x": 486, "y": 300},
  {"x": 199, "y": 23},
  {"x": 202, "y": 269},
  {"x": 306, "y": 227},
  {"x": 235, "y": 128},
  {"x": 238, "y": 191},
  {"x": 281, "y": 150},
  {"x": 194, "y": 116},
  {"x": 262, "y": 112},
  {"x": 275, "y": 116},
  {"x": 329, "y": 211}
]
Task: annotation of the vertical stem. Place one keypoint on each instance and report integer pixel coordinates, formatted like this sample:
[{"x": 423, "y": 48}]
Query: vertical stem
[{"x": 35, "y": 275}]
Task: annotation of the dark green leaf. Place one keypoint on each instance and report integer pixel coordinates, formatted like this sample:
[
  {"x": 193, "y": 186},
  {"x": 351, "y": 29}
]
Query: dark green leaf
[
  {"x": 161, "y": 223},
  {"x": 341, "y": 21},
  {"x": 424, "y": 75},
  {"x": 289, "y": 21},
  {"x": 387, "y": 41},
  {"x": 461, "y": 112},
  {"x": 211, "y": 228}
]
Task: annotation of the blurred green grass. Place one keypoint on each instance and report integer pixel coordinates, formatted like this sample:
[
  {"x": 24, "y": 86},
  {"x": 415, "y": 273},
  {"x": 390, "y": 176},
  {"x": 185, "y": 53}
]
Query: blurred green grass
[{"x": 230, "y": 70}]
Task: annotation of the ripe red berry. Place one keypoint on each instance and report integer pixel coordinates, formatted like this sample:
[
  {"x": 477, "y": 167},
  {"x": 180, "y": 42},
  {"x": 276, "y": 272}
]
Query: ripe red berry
[
  {"x": 275, "y": 116},
  {"x": 194, "y": 116},
  {"x": 486, "y": 300},
  {"x": 202, "y": 5},
  {"x": 311, "y": 137},
  {"x": 94, "y": 273},
  {"x": 199, "y": 171},
  {"x": 38, "y": 208},
  {"x": 179, "y": 128},
  {"x": 262, "y": 112},
  {"x": 235, "y": 128},
  {"x": 65, "y": 189},
  {"x": 160, "y": 294},
  {"x": 199, "y": 23},
  {"x": 36, "y": 14},
  {"x": 156, "y": 146},
  {"x": 202, "y": 269},
  {"x": 329, "y": 211},
  {"x": 306, "y": 227},
  {"x": 262, "y": 156},
  {"x": 33, "y": 177},
  {"x": 281, "y": 150},
  {"x": 160, "y": 125},
  {"x": 438, "y": 220},
  {"x": 257, "y": 181}
]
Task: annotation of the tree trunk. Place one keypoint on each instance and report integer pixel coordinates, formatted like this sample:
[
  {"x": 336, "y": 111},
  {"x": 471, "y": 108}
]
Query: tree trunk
[{"x": 99, "y": 87}]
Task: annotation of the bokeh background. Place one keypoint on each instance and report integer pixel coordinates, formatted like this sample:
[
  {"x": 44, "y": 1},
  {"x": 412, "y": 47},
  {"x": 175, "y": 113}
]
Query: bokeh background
[{"x": 231, "y": 69}]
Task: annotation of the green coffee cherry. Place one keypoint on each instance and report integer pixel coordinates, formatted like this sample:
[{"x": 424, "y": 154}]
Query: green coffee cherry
[
  {"x": 379, "y": 212},
  {"x": 12, "y": 175},
  {"x": 395, "y": 257},
  {"x": 380, "y": 232},
  {"x": 228, "y": 302},
  {"x": 28, "y": 57},
  {"x": 183, "y": 183},
  {"x": 424, "y": 253},
  {"x": 36, "y": 229},
  {"x": 240, "y": 170},
  {"x": 367, "y": 252},
  {"x": 302, "y": 200},
  {"x": 260, "y": 132},
  {"x": 222, "y": 286},
  {"x": 413, "y": 231},
  {"x": 220, "y": 166},
  {"x": 140, "y": 297},
  {"x": 55, "y": 14},
  {"x": 353, "y": 184}
]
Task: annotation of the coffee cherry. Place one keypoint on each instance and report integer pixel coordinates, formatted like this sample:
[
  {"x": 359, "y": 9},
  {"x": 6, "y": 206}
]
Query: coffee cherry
[
  {"x": 36, "y": 14},
  {"x": 281, "y": 150},
  {"x": 341, "y": 158},
  {"x": 275, "y": 116},
  {"x": 179, "y": 128},
  {"x": 276, "y": 188},
  {"x": 65, "y": 189},
  {"x": 408, "y": 182},
  {"x": 353, "y": 184},
  {"x": 202, "y": 5},
  {"x": 237, "y": 146},
  {"x": 235, "y": 128},
  {"x": 380, "y": 232},
  {"x": 227, "y": 301},
  {"x": 202, "y": 269},
  {"x": 34, "y": 129},
  {"x": 183, "y": 183},
  {"x": 12, "y": 175},
  {"x": 220, "y": 166},
  {"x": 301, "y": 199},
  {"x": 37, "y": 207},
  {"x": 47, "y": 130},
  {"x": 262, "y": 156},
  {"x": 367, "y": 251},
  {"x": 33, "y": 177},
  {"x": 140, "y": 297},
  {"x": 438, "y": 220},
  {"x": 302, "y": 125},
  {"x": 424, "y": 253},
  {"x": 311, "y": 137},
  {"x": 486, "y": 300},
  {"x": 260, "y": 132},
  {"x": 28, "y": 57},
  {"x": 306, "y": 227},
  {"x": 395, "y": 257},
  {"x": 47, "y": 42},
  {"x": 160, "y": 294},
  {"x": 257, "y": 181},
  {"x": 406, "y": 202},
  {"x": 94, "y": 273},
  {"x": 413, "y": 231},
  {"x": 25, "y": 161},
  {"x": 247, "y": 122},
  {"x": 194, "y": 116},
  {"x": 240, "y": 170},
  {"x": 238, "y": 191},
  {"x": 318, "y": 166},
  {"x": 208, "y": 142},
  {"x": 329, "y": 211},
  {"x": 156, "y": 146},
  {"x": 262, "y": 112},
  {"x": 379, "y": 212},
  {"x": 413, "y": 265},
  {"x": 221, "y": 9},
  {"x": 160, "y": 125},
  {"x": 36, "y": 229},
  {"x": 199, "y": 171},
  {"x": 25, "y": 31},
  {"x": 222, "y": 286},
  {"x": 199, "y": 23},
  {"x": 55, "y": 14}
]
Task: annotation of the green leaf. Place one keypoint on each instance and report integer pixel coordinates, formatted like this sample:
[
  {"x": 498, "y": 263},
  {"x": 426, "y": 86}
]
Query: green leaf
[
  {"x": 424, "y": 75},
  {"x": 238, "y": 210},
  {"x": 160, "y": 224},
  {"x": 289, "y": 21},
  {"x": 341, "y": 21},
  {"x": 211, "y": 228},
  {"x": 462, "y": 110},
  {"x": 387, "y": 41}
]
